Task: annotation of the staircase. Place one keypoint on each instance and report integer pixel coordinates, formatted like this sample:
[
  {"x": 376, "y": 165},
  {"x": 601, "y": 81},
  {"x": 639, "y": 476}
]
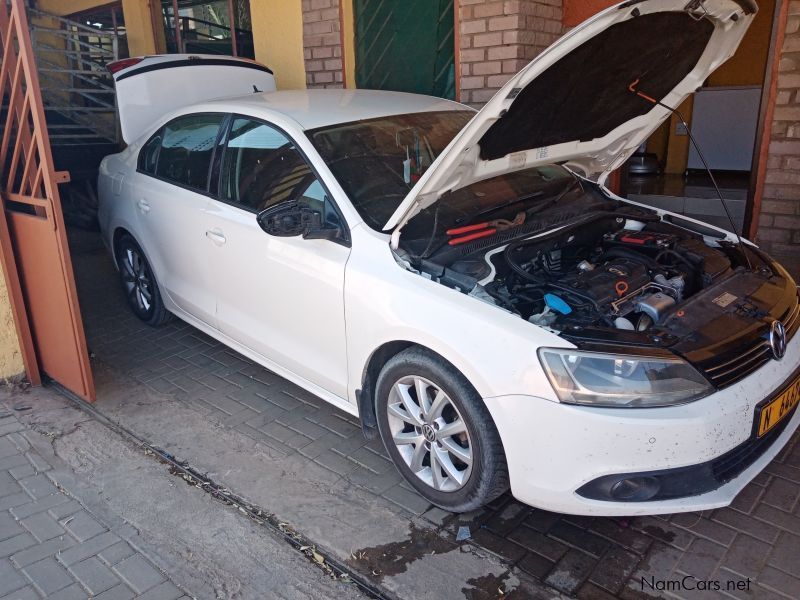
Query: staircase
[
  {"x": 79, "y": 102},
  {"x": 77, "y": 90}
]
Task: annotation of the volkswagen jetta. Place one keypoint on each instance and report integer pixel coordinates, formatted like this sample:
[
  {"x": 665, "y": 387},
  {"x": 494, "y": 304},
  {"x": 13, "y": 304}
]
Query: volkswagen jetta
[{"x": 465, "y": 282}]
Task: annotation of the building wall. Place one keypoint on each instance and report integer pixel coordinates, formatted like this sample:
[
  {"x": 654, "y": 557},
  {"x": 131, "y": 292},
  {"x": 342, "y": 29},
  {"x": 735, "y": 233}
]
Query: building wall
[
  {"x": 278, "y": 40},
  {"x": 322, "y": 44},
  {"x": 139, "y": 27},
  {"x": 746, "y": 67},
  {"x": 577, "y": 11},
  {"x": 498, "y": 38},
  {"x": 11, "y": 365},
  {"x": 779, "y": 223}
]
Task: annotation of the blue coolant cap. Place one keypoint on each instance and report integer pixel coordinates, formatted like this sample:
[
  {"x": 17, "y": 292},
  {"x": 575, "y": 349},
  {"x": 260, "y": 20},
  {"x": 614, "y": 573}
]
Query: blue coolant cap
[{"x": 557, "y": 304}]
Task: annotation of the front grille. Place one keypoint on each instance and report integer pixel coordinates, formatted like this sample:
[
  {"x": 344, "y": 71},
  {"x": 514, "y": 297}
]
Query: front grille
[{"x": 731, "y": 367}]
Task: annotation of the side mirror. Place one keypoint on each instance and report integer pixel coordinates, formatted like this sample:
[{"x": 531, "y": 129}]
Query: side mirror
[
  {"x": 291, "y": 219},
  {"x": 317, "y": 230},
  {"x": 283, "y": 220}
]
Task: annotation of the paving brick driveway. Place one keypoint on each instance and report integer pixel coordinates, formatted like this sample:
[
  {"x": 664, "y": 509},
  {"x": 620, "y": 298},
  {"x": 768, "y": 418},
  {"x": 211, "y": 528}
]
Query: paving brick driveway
[
  {"x": 751, "y": 550},
  {"x": 53, "y": 547}
]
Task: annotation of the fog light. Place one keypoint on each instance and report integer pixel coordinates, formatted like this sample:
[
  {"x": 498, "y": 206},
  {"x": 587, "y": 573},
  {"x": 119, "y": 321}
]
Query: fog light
[{"x": 635, "y": 489}]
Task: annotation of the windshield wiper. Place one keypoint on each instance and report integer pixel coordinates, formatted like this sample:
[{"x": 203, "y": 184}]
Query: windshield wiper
[
  {"x": 575, "y": 183},
  {"x": 511, "y": 202}
]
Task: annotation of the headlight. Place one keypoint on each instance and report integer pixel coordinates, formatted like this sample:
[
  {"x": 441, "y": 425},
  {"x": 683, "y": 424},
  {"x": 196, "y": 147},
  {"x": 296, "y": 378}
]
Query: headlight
[{"x": 598, "y": 379}]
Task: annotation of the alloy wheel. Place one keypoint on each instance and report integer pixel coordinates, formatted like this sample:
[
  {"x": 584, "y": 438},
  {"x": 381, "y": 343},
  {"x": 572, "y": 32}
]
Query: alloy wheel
[
  {"x": 430, "y": 434},
  {"x": 137, "y": 279}
]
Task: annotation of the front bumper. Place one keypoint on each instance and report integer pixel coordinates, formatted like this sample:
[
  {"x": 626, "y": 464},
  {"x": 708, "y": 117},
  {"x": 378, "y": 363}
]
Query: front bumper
[{"x": 554, "y": 449}]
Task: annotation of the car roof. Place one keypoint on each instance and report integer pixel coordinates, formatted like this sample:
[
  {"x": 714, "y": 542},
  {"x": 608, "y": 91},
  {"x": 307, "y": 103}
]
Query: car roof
[{"x": 322, "y": 107}]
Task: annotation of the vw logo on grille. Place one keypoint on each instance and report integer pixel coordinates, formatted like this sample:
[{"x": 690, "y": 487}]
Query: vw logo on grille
[{"x": 777, "y": 339}]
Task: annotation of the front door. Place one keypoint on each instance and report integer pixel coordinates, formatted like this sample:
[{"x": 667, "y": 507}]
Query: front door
[{"x": 279, "y": 296}]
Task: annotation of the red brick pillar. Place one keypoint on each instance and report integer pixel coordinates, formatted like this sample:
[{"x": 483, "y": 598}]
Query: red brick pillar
[
  {"x": 779, "y": 221},
  {"x": 498, "y": 38},
  {"x": 322, "y": 43}
]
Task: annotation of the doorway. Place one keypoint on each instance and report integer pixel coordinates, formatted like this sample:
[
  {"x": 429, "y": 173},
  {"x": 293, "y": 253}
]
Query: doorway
[
  {"x": 668, "y": 173},
  {"x": 406, "y": 46}
]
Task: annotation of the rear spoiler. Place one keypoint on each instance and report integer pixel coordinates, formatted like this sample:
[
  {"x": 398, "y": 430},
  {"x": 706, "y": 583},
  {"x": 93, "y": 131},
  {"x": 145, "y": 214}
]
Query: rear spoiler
[{"x": 126, "y": 65}]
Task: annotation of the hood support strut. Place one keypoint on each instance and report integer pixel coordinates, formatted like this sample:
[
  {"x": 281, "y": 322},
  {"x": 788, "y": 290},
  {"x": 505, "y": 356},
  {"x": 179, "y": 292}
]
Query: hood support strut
[{"x": 676, "y": 112}]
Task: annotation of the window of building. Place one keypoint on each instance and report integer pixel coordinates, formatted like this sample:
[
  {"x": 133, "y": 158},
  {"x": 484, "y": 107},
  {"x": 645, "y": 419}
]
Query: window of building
[{"x": 203, "y": 27}]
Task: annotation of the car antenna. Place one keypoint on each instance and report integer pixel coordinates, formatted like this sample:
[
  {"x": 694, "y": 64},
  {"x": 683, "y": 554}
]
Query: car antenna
[{"x": 676, "y": 112}]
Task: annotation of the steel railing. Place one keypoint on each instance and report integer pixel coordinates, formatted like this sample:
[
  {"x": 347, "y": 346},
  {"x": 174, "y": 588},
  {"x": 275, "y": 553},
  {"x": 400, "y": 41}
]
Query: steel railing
[{"x": 77, "y": 89}]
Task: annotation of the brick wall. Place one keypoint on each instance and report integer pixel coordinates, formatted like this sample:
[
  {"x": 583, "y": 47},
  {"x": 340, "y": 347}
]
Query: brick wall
[
  {"x": 498, "y": 38},
  {"x": 322, "y": 43},
  {"x": 779, "y": 222}
]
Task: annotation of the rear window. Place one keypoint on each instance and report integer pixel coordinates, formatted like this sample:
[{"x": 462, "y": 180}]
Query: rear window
[
  {"x": 186, "y": 148},
  {"x": 148, "y": 157}
]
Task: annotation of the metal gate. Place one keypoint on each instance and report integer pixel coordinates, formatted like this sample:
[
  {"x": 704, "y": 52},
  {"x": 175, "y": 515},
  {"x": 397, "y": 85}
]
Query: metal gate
[
  {"x": 405, "y": 46},
  {"x": 35, "y": 254}
]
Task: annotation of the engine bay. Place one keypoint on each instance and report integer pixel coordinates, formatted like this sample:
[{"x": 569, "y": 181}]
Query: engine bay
[
  {"x": 629, "y": 277},
  {"x": 614, "y": 271}
]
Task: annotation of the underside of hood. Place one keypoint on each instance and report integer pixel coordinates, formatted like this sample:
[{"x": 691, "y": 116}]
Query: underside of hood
[
  {"x": 577, "y": 103},
  {"x": 581, "y": 98}
]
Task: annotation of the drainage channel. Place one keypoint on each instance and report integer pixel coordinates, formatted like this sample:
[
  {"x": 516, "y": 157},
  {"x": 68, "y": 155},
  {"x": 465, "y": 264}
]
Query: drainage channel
[{"x": 325, "y": 561}]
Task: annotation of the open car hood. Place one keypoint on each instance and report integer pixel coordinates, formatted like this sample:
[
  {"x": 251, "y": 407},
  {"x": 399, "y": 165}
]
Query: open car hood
[{"x": 576, "y": 103}]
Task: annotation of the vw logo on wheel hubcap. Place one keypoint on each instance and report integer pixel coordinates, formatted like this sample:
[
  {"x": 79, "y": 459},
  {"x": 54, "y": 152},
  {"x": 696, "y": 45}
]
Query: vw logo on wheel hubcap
[
  {"x": 429, "y": 433},
  {"x": 777, "y": 339}
]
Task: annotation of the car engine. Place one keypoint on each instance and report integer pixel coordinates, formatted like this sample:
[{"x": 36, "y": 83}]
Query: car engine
[{"x": 615, "y": 273}]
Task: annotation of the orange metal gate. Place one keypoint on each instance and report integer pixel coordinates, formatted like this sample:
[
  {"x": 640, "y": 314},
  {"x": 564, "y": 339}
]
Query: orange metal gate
[{"x": 35, "y": 254}]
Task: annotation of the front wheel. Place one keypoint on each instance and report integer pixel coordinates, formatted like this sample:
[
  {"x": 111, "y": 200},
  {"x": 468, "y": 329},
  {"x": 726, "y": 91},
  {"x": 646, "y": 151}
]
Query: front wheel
[{"x": 438, "y": 432}]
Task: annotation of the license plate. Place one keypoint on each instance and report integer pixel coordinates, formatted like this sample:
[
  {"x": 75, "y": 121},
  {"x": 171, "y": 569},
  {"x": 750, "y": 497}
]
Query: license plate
[{"x": 778, "y": 409}]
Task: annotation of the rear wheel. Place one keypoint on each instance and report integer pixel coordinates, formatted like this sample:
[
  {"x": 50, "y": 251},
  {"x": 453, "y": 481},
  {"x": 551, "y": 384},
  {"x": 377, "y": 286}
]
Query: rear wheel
[
  {"x": 438, "y": 431},
  {"x": 139, "y": 283}
]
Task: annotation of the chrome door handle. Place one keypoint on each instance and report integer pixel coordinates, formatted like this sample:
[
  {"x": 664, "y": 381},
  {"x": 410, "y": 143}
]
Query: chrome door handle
[
  {"x": 143, "y": 205},
  {"x": 216, "y": 236}
]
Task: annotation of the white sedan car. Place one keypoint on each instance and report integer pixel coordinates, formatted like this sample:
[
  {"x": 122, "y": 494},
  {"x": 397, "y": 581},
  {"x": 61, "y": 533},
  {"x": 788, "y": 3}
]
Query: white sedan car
[{"x": 464, "y": 282}]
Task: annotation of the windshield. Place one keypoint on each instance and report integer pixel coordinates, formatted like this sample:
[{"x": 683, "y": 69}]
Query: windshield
[{"x": 378, "y": 161}]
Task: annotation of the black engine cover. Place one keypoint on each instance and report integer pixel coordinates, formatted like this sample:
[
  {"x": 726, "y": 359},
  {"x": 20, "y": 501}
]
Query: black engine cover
[{"x": 607, "y": 282}]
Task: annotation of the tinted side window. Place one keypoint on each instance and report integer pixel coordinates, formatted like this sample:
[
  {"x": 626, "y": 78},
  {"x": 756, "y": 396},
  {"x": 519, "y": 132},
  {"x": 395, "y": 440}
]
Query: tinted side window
[
  {"x": 262, "y": 167},
  {"x": 186, "y": 148},
  {"x": 148, "y": 155}
]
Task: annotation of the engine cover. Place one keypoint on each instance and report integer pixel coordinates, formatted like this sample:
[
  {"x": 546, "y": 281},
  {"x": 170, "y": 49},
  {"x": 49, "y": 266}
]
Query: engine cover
[{"x": 609, "y": 281}]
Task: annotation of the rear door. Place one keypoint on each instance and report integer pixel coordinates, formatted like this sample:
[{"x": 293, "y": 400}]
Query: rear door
[
  {"x": 170, "y": 193},
  {"x": 282, "y": 297},
  {"x": 150, "y": 87}
]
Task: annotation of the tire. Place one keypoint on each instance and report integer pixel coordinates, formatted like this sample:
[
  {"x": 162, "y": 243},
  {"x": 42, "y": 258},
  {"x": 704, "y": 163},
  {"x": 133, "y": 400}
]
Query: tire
[
  {"x": 477, "y": 472},
  {"x": 139, "y": 283}
]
